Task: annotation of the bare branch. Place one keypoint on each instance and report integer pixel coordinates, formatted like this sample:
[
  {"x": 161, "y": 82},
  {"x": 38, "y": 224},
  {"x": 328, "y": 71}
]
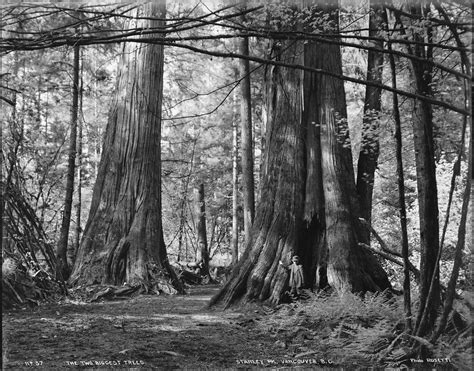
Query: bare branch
[{"x": 9, "y": 101}]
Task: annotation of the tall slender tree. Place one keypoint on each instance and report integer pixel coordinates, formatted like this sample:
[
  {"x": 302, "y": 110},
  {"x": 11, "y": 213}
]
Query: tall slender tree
[
  {"x": 201, "y": 231},
  {"x": 72, "y": 250},
  {"x": 369, "y": 151},
  {"x": 248, "y": 183},
  {"x": 426, "y": 174},
  {"x": 401, "y": 198},
  {"x": 467, "y": 121},
  {"x": 62, "y": 268},
  {"x": 234, "y": 243},
  {"x": 460, "y": 244},
  {"x": 123, "y": 238}
]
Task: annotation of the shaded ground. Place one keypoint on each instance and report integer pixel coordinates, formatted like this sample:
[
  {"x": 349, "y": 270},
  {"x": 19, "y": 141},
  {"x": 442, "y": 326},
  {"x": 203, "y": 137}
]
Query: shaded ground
[
  {"x": 146, "y": 331},
  {"x": 180, "y": 332}
]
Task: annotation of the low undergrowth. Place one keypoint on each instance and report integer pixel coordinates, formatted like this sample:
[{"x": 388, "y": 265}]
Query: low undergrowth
[{"x": 355, "y": 331}]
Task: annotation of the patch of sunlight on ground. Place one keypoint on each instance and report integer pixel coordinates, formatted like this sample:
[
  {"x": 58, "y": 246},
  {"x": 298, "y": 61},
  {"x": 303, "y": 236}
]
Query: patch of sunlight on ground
[
  {"x": 194, "y": 298},
  {"x": 211, "y": 318}
]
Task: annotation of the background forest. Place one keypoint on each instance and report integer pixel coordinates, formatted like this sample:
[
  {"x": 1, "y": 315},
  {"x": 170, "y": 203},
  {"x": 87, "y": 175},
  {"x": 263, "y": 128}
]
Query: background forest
[{"x": 61, "y": 75}]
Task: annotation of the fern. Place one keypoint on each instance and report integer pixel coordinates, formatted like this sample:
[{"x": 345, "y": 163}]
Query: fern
[
  {"x": 357, "y": 331},
  {"x": 349, "y": 329}
]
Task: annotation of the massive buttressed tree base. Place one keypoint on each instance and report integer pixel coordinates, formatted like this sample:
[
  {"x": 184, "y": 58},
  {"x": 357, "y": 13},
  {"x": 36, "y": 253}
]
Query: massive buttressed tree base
[
  {"x": 123, "y": 237},
  {"x": 308, "y": 202},
  {"x": 275, "y": 232}
]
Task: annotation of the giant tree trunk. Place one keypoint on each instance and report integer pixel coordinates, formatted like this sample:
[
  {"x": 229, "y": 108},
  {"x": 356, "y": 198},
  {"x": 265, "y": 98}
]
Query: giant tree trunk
[
  {"x": 275, "y": 231},
  {"x": 369, "y": 151},
  {"x": 62, "y": 267},
  {"x": 295, "y": 210},
  {"x": 314, "y": 253},
  {"x": 123, "y": 237}
]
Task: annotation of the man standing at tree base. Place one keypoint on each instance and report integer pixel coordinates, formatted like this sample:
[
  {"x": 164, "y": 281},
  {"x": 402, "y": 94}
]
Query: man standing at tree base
[{"x": 296, "y": 277}]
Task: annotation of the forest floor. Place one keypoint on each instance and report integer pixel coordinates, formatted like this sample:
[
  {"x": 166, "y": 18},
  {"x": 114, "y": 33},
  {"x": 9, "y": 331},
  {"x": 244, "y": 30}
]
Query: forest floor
[
  {"x": 181, "y": 332},
  {"x": 165, "y": 332}
]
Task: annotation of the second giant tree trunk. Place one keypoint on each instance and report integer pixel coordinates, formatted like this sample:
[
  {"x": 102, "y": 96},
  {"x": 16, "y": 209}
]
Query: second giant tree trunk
[
  {"x": 299, "y": 159},
  {"x": 123, "y": 237},
  {"x": 349, "y": 267}
]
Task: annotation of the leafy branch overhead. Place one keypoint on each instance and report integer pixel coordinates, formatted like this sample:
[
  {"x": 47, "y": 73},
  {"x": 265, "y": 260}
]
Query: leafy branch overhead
[{"x": 27, "y": 27}]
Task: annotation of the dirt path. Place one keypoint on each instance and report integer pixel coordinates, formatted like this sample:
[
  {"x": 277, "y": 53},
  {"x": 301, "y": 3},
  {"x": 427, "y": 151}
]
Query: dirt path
[{"x": 147, "y": 331}]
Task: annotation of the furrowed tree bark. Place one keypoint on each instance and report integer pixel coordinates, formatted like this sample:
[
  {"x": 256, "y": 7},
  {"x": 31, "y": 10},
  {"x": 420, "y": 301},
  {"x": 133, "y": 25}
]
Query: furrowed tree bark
[
  {"x": 314, "y": 253},
  {"x": 369, "y": 152},
  {"x": 123, "y": 238},
  {"x": 201, "y": 231},
  {"x": 275, "y": 231},
  {"x": 62, "y": 268},
  {"x": 350, "y": 268},
  {"x": 289, "y": 216},
  {"x": 248, "y": 183}
]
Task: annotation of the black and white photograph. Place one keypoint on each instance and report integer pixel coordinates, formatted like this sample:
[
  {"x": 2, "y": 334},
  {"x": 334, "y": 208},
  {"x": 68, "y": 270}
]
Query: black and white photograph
[{"x": 236, "y": 184}]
